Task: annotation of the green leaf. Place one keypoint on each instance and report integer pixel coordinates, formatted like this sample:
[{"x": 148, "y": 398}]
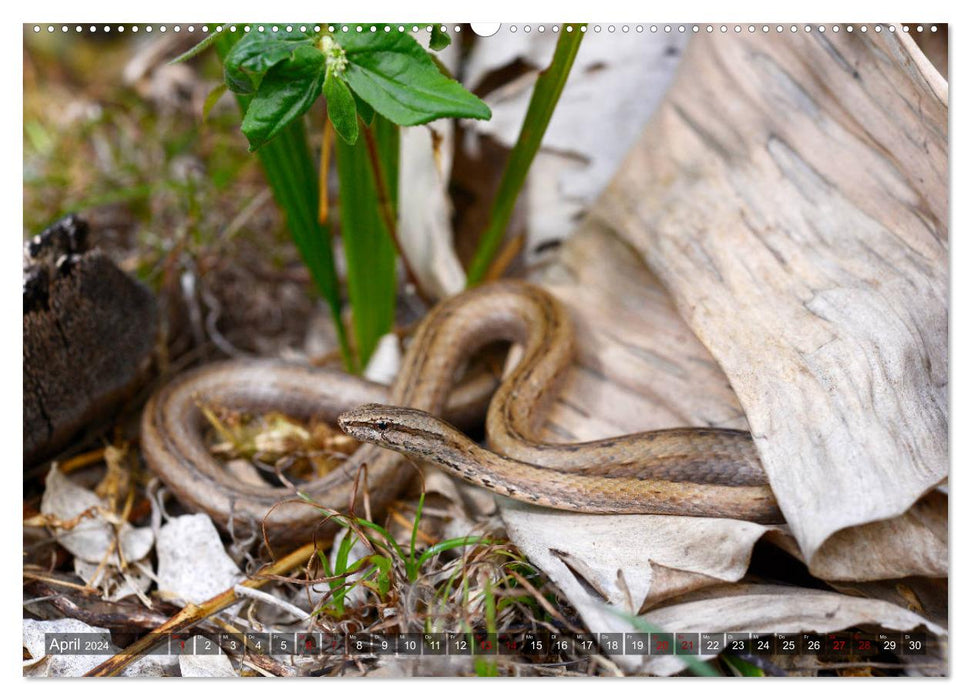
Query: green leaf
[
  {"x": 543, "y": 101},
  {"x": 368, "y": 248},
  {"x": 439, "y": 39},
  {"x": 211, "y": 99},
  {"x": 286, "y": 92},
  {"x": 292, "y": 175},
  {"x": 364, "y": 111},
  {"x": 257, "y": 52},
  {"x": 341, "y": 108},
  {"x": 741, "y": 667},
  {"x": 383, "y": 565},
  {"x": 340, "y": 563},
  {"x": 453, "y": 543},
  {"x": 394, "y": 74},
  {"x": 414, "y": 527}
]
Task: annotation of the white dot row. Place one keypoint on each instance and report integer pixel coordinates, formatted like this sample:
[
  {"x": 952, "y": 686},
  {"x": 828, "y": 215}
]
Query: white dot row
[
  {"x": 233, "y": 28},
  {"x": 611, "y": 28}
]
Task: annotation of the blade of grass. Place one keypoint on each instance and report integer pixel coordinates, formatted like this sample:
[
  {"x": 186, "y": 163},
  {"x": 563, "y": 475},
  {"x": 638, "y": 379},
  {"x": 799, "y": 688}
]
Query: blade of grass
[
  {"x": 368, "y": 247},
  {"x": 484, "y": 666},
  {"x": 697, "y": 666},
  {"x": 412, "y": 562},
  {"x": 455, "y": 542},
  {"x": 290, "y": 171},
  {"x": 546, "y": 94},
  {"x": 741, "y": 667}
]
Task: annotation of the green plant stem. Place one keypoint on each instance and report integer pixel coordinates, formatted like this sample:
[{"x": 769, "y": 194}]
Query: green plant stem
[
  {"x": 388, "y": 214},
  {"x": 290, "y": 171},
  {"x": 545, "y": 96},
  {"x": 368, "y": 246}
]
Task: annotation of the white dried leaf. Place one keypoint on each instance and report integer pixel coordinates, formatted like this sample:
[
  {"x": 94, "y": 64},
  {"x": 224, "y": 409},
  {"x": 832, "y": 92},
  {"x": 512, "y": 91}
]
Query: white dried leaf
[
  {"x": 192, "y": 564},
  {"x": 385, "y": 360},
  {"x": 111, "y": 581},
  {"x": 63, "y": 499},
  {"x": 628, "y": 561},
  {"x": 92, "y": 537},
  {"x": 616, "y": 83},
  {"x": 425, "y": 210},
  {"x": 215, "y": 665},
  {"x": 76, "y": 665},
  {"x": 767, "y": 609}
]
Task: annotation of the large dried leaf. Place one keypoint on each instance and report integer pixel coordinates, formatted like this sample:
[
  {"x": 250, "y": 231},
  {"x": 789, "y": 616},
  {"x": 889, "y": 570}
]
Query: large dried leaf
[
  {"x": 425, "y": 212},
  {"x": 629, "y": 561},
  {"x": 765, "y": 608},
  {"x": 791, "y": 194},
  {"x": 615, "y": 85}
]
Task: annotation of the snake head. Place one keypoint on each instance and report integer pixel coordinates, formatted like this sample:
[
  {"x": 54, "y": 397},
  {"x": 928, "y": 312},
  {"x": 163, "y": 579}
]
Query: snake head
[{"x": 405, "y": 430}]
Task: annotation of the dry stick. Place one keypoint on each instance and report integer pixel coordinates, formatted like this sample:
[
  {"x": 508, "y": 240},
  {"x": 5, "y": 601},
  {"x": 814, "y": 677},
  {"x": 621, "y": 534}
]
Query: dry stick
[
  {"x": 324, "y": 198},
  {"x": 541, "y": 599},
  {"x": 507, "y": 254},
  {"x": 30, "y": 576},
  {"x": 384, "y": 206},
  {"x": 82, "y": 460},
  {"x": 191, "y": 613}
]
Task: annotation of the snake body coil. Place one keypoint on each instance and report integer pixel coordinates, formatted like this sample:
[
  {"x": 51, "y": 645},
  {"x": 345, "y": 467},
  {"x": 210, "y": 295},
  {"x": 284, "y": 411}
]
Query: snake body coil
[{"x": 689, "y": 471}]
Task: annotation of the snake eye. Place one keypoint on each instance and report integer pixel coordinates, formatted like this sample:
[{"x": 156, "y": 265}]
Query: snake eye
[{"x": 382, "y": 425}]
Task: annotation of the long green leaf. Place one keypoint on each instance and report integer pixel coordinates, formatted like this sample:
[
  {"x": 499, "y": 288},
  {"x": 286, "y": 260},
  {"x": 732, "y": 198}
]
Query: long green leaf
[
  {"x": 546, "y": 94},
  {"x": 197, "y": 49},
  {"x": 368, "y": 247},
  {"x": 290, "y": 171},
  {"x": 397, "y": 77}
]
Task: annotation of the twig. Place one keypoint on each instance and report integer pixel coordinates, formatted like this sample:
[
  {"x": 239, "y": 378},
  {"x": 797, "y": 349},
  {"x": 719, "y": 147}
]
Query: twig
[
  {"x": 246, "y": 592},
  {"x": 58, "y": 582},
  {"x": 82, "y": 460},
  {"x": 324, "y": 198},
  {"x": 191, "y": 613},
  {"x": 384, "y": 202},
  {"x": 504, "y": 258},
  {"x": 95, "y": 611}
]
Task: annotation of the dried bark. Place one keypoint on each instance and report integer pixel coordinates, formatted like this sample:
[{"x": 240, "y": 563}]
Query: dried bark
[{"x": 89, "y": 332}]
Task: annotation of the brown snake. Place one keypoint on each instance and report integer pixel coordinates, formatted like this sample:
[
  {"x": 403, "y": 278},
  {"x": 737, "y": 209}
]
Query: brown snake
[{"x": 685, "y": 471}]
